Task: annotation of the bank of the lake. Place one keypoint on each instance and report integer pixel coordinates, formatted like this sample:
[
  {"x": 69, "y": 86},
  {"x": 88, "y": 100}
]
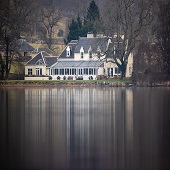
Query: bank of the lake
[
  {"x": 80, "y": 83},
  {"x": 67, "y": 83}
]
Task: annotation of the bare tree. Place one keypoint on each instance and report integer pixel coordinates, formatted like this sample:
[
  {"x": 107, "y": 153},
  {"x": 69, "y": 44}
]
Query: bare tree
[
  {"x": 48, "y": 20},
  {"x": 148, "y": 64},
  {"x": 123, "y": 22},
  {"x": 163, "y": 34},
  {"x": 14, "y": 16},
  {"x": 2, "y": 68}
]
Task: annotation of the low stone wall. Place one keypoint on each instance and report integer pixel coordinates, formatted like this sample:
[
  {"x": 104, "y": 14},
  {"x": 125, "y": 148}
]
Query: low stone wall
[
  {"x": 62, "y": 84},
  {"x": 73, "y": 84},
  {"x": 36, "y": 78}
]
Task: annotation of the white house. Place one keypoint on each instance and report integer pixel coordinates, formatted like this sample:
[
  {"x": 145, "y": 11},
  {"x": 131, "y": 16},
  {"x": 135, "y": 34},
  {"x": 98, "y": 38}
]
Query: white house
[
  {"x": 38, "y": 68},
  {"x": 81, "y": 59}
]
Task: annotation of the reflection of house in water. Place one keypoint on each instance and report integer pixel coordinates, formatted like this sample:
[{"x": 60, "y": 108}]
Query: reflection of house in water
[
  {"x": 95, "y": 127},
  {"x": 80, "y": 121}
]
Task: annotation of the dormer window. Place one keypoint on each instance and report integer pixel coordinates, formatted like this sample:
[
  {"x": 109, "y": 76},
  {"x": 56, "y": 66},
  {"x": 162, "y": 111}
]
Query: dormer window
[
  {"x": 68, "y": 51},
  {"x": 90, "y": 52},
  {"x": 81, "y": 53}
]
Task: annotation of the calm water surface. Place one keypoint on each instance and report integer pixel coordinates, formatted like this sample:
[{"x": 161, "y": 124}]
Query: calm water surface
[{"x": 85, "y": 128}]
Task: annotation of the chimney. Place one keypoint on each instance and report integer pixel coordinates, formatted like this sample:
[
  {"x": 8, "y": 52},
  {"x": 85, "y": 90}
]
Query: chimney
[{"x": 90, "y": 35}]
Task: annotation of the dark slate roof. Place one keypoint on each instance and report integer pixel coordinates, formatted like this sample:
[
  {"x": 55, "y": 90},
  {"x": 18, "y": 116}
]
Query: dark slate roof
[
  {"x": 76, "y": 64},
  {"x": 22, "y": 45},
  {"x": 39, "y": 58},
  {"x": 93, "y": 43},
  {"x": 50, "y": 60},
  {"x": 37, "y": 50},
  {"x": 72, "y": 44}
]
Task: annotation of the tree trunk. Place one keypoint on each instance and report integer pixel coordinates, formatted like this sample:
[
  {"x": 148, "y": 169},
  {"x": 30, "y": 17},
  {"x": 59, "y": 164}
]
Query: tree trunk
[
  {"x": 7, "y": 57},
  {"x": 2, "y": 65},
  {"x": 123, "y": 70}
]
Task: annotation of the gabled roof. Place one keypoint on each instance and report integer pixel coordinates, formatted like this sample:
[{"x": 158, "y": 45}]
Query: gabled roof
[
  {"x": 22, "y": 45},
  {"x": 37, "y": 50},
  {"x": 49, "y": 60},
  {"x": 38, "y": 59},
  {"x": 93, "y": 43},
  {"x": 72, "y": 46},
  {"x": 76, "y": 64}
]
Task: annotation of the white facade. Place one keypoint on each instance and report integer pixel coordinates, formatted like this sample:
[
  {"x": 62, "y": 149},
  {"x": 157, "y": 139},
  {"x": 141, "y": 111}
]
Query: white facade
[
  {"x": 129, "y": 67},
  {"x": 84, "y": 58},
  {"x": 36, "y": 70}
]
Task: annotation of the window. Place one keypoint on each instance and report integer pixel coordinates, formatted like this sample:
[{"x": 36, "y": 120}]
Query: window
[
  {"x": 67, "y": 71},
  {"x": 38, "y": 71},
  {"x": 25, "y": 54},
  {"x": 56, "y": 71},
  {"x": 82, "y": 54},
  {"x": 80, "y": 71},
  {"x": 86, "y": 71},
  {"x": 68, "y": 51},
  {"x": 73, "y": 71},
  {"x": 117, "y": 70},
  {"x": 62, "y": 71},
  {"x": 95, "y": 71},
  {"x": 30, "y": 71},
  {"x": 90, "y": 71},
  {"x": 110, "y": 72}
]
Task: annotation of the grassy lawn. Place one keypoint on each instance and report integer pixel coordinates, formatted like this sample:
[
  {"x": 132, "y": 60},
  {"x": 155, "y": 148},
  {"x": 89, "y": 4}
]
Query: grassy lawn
[{"x": 126, "y": 81}]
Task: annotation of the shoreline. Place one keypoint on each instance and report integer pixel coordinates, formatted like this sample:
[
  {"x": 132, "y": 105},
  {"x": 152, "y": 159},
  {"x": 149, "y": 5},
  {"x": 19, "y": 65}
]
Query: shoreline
[
  {"x": 75, "y": 84},
  {"x": 64, "y": 84}
]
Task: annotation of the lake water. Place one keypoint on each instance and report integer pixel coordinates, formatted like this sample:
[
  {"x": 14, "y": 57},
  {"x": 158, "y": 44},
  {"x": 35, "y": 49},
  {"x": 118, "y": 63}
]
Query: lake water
[{"x": 85, "y": 128}]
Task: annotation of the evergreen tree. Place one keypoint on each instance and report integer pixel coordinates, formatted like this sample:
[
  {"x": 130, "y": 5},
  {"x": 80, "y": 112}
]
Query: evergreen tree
[
  {"x": 79, "y": 28},
  {"x": 75, "y": 30},
  {"x": 93, "y": 13},
  {"x": 93, "y": 18}
]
